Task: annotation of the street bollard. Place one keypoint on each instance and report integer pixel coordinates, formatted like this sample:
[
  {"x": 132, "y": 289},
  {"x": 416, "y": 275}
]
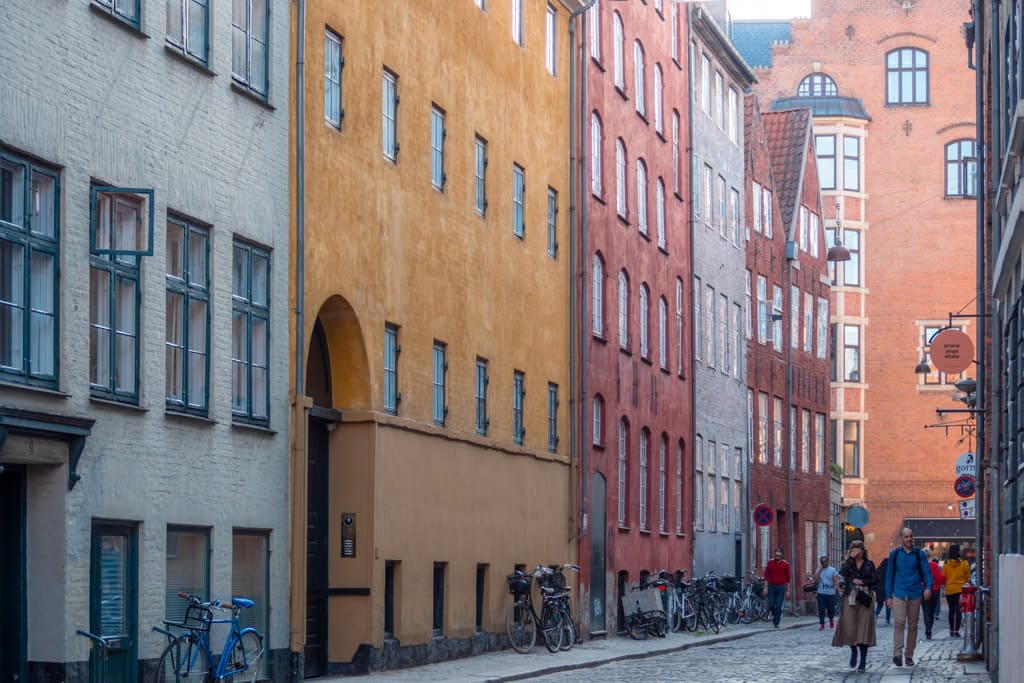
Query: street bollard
[{"x": 967, "y": 607}]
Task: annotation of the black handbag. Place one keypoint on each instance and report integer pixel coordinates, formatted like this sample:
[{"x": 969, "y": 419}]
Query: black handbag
[
  {"x": 864, "y": 598},
  {"x": 811, "y": 587}
]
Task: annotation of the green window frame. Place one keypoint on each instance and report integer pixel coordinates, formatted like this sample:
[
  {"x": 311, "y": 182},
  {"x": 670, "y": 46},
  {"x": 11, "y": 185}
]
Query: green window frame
[
  {"x": 250, "y": 335},
  {"x": 518, "y": 399},
  {"x": 440, "y": 407},
  {"x": 552, "y": 223},
  {"x": 482, "y": 380},
  {"x": 128, "y": 11},
  {"x": 187, "y": 325},
  {"x": 114, "y": 594},
  {"x": 250, "y": 51},
  {"x": 121, "y": 221},
  {"x": 438, "y": 133},
  {"x": 29, "y": 263},
  {"x": 188, "y": 28},
  {"x": 392, "y": 397},
  {"x": 553, "y": 417},
  {"x": 518, "y": 201}
]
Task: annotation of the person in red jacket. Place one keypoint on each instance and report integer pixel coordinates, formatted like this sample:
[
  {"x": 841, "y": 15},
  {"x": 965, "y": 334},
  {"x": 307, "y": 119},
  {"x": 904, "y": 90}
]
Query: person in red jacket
[
  {"x": 929, "y": 605},
  {"x": 776, "y": 575}
]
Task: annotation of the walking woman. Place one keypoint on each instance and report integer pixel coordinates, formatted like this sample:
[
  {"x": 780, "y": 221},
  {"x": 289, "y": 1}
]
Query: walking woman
[
  {"x": 957, "y": 573},
  {"x": 857, "y": 621}
]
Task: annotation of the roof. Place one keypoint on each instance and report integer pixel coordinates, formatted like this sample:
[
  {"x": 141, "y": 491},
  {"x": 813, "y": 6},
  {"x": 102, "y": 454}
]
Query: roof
[
  {"x": 848, "y": 107},
  {"x": 754, "y": 39},
  {"x": 787, "y": 135},
  {"x": 704, "y": 25}
]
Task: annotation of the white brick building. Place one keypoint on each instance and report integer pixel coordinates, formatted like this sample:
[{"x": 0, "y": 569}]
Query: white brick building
[{"x": 143, "y": 398}]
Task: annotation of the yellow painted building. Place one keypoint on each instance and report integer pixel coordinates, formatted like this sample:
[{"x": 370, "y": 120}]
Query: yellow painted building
[{"x": 435, "y": 335}]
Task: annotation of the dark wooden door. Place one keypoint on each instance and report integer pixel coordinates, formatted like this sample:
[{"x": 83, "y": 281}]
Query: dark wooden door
[
  {"x": 12, "y": 575},
  {"x": 316, "y": 550},
  {"x": 597, "y": 554}
]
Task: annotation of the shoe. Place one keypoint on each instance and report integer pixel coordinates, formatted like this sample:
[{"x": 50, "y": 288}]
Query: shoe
[
  {"x": 831, "y": 623},
  {"x": 861, "y": 668},
  {"x": 928, "y": 636},
  {"x": 897, "y": 660},
  {"x": 821, "y": 627},
  {"x": 853, "y": 659},
  {"x": 909, "y": 661}
]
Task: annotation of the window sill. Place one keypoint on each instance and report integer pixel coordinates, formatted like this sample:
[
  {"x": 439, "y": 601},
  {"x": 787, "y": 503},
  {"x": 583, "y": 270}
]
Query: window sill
[
  {"x": 36, "y": 389},
  {"x": 665, "y": 371},
  {"x": 179, "y": 55},
  {"x": 645, "y": 234},
  {"x": 598, "y": 64},
  {"x": 680, "y": 534},
  {"x": 599, "y": 338},
  {"x": 907, "y": 104},
  {"x": 624, "y": 529},
  {"x": 646, "y": 360},
  {"x": 133, "y": 407},
  {"x": 192, "y": 417},
  {"x": 645, "y": 532},
  {"x": 626, "y": 350},
  {"x": 663, "y": 249},
  {"x": 598, "y": 446},
  {"x": 252, "y": 95},
  {"x": 678, "y": 196},
  {"x": 643, "y": 117},
  {"x": 253, "y": 427},
  {"x": 622, "y": 219},
  {"x": 118, "y": 21},
  {"x": 622, "y": 93},
  {"x": 597, "y": 198},
  {"x": 663, "y": 534},
  {"x": 660, "y": 134}
]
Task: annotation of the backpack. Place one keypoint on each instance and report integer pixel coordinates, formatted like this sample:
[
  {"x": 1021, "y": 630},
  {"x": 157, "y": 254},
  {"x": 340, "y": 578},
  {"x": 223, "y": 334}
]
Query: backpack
[{"x": 891, "y": 569}]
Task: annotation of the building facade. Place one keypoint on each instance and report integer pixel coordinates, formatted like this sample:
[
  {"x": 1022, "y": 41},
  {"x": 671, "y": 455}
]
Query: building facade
[
  {"x": 636, "y": 249},
  {"x": 433, "y": 455},
  {"x": 718, "y": 79},
  {"x": 144, "y": 262}
]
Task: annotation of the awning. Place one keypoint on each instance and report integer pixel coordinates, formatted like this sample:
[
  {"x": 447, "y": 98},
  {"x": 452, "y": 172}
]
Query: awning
[
  {"x": 27, "y": 437},
  {"x": 941, "y": 528}
]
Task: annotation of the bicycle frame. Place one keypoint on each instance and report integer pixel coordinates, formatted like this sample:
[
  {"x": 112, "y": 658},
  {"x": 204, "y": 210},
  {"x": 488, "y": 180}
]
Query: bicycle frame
[{"x": 200, "y": 639}]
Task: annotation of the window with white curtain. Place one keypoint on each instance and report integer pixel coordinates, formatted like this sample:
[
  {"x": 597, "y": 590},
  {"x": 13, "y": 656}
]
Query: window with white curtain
[
  {"x": 659, "y": 211},
  {"x": 618, "y": 52},
  {"x": 187, "y": 338},
  {"x": 675, "y": 31},
  {"x": 188, "y": 24},
  {"x": 822, "y": 327},
  {"x": 597, "y": 296},
  {"x": 641, "y": 196},
  {"x": 658, "y": 122},
  {"x": 596, "y": 186},
  {"x": 733, "y": 114},
  {"x": 597, "y": 421},
  {"x": 620, "y": 178},
  {"x": 808, "y": 321},
  {"x": 679, "y": 325},
  {"x": 550, "y": 40},
  {"x": 595, "y": 30},
  {"x": 675, "y": 150},
  {"x": 250, "y": 53},
  {"x": 638, "y": 78},
  {"x": 644, "y": 318},
  {"x": 623, "y": 310}
]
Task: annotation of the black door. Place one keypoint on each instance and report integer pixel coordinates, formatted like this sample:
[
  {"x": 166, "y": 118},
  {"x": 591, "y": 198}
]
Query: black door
[
  {"x": 12, "y": 574},
  {"x": 113, "y": 600},
  {"x": 597, "y": 554},
  {"x": 316, "y": 550}
]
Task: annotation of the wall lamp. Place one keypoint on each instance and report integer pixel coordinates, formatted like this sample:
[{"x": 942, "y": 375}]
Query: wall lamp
[{"x": 837, "y": 252}]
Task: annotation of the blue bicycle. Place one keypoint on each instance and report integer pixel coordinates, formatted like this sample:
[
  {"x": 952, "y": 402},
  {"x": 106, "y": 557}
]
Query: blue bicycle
[{"x": 187, "y": 657}]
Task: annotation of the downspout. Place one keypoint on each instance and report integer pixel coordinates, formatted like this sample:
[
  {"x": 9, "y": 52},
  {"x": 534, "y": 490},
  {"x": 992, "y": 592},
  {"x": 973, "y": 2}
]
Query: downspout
[
  {"x": 300, "y": 196},
  {"x": 574, "y": 513},
  {"x": 693, "y": 337}
]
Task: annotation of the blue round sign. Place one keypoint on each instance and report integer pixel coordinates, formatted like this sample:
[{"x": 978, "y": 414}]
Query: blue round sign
[
  {"x": 857, "y": 516},
  {"x": 964, "y": 486},
  {"x": 763, "y": 515}
]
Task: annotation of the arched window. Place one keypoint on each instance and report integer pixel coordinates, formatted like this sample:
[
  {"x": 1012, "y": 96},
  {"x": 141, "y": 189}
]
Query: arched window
[
  {"x": 621, "y": 491},
  {"x": 596, "y": 135},
  {"x": 641, "y": 196},
  {"x": 597, "y": 296},
  {"x": 638, "y": 78},
  {"x": 906, "y": 76},
  {"x": 679, "y": 487},
  {"x": 658, "y": 124},
  {"x": 644, "y": 317},
  {"x": 598, "y": 420},
  {"x": 679, "y": 325},
  {"x": 817, "y": 85},
  {"x": 623, "y": 310},
  {"x": 595, "y": 30},
  {"x": 645, "y": 437},
  {"x": 620, "y": 177},
  {"x": 662, "y": 448},
  {"x": 961, "y": 169},
  {"x": 659, "y": 210},
  {"x": 663, "y": 333},
  {"x": 618, "y": 49}
]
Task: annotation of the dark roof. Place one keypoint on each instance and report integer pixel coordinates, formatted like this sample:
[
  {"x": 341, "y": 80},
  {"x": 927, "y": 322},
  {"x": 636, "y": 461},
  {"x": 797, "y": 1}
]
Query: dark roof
[
  {"x": 850, "y": 107},
  {"x": 753, "y": 39},
  {"x": 786, "y": 132}
]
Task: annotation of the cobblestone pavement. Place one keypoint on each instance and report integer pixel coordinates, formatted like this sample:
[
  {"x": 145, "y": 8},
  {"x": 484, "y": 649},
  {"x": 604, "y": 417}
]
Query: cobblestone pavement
[{"x": 802, "y": 654}]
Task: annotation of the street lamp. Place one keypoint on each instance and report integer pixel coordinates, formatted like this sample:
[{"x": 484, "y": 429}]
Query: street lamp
[{"x": 837, "y": 252}]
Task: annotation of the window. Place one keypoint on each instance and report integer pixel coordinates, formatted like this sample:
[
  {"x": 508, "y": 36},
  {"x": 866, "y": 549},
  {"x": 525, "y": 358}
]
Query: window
[
  {"x": 644, "y": 321},
  {"x": 482, "y": 380},
  {"x": 115, "y": 300},
  {"x": 658, "y": 122},
  {"x": 805, "y": 440},
  {"x": 675, "y": 32},
  {"x": 518, "y": 197},
  {"x": 187, "y": 340},
  {"x": 518, "y": 395},
  {"x": 708, "y": 199},
  {"x": 659, "y": 211},
  {"x": 250, "y": 336},
  {"x": 935, "y": 377},
  {"x": 737, "y": 344},
  {"x": 777, "y": 415},
  {"x": 711, "y": 489},
  {"x": 722, "y": 199},
  {"x": 250, "y": 29},
  {"x": 825, "y": 149},
  {"x": 679, "y": 477},
  {"x": 722, "y": 343},
  {"x": 437, "y": 136},
  {"x": 663, "y": 333},
  {"x": 623, "y": 310},
  {"x": 679, "y": 325},
  {"x": 482, "y": 4},
  {"x": 734, "y": 215},
  {"x": 517, "y": 21},
  {"x": 440, "y": 569},
  {"x": 391, "y": 350},
  {"x": 819, "y": 443},
  {"x": 597, "y": 421},
  {"x": 620, "y": 178},
  {"x": 333, "y": 64},
  {"x": 719, "y": 102},
  {"x": 641, "y": 196},
  {"x": 851, "y": 163},
  {"x": 851, "y": 353},
  {"x": 645, "y": 437},
  {"x": 662, "y": 447},
  {"x": 794, "y": 316},
  {"x": 622, "y": 469},
  {"x": 805, "y": 219},
  {"x": 29, "y": 248},
  {"x": 113, "y": 578},
  {"x": 767, "y": 211},
  {"x": 777, "y": 317},
  {"x": 550, "y": 44},
  {"x": 734, "y": 115},
  {"x": 597, "y": 297},
  {"x": 906, "y": 76},
  {"x": 552, "y": 223},
  {"x": 250, "y": 576},
  {"x": 851, "y": 268},
  {"x": 705, "y": 84},
  {"x": 552, "y": 417},
  {"x": 125, "y": 10},
  {"x": 817, "y": 85},
  {"x": 961, "y": 169},
  {"x": 595, "y": 30},
  {"x": 695, "y": 186},
  {"x": 698, "y": 483},
  {"x": 708, "y": 338},
  {"x": 618, "y": 52},
  {"x": 188, "y": 24},
  {"x": 762, "y": 427},
  {"x": 815, "y": 234},
  {"x": 187, "y": 567},
  {"x": 792, "y": 438},
  {"x": 698, "y": 320},
  {"x": 638, "y": 78},
  {"x": 747, "y": 308},
  {"x": 389, "y": 112},
  {"x": 851, "y": 448},
  {"x": 762, "y": 309},
  {"x": 596, "y": 186},
  {"x": 440, "y": 407},
  {"x": 822, "y": 326},
  {"x": 480, "y": 175},
  {"x": 808, "y": 322},
  {"x": 756, "y": 205},
  {"x": 676, "y": 183}
]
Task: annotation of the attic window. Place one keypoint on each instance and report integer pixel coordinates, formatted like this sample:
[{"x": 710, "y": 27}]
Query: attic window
[{"x": 817, "y": 85}]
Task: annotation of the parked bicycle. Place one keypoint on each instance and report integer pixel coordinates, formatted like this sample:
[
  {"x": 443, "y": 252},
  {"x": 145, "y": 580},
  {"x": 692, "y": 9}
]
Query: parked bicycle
[
  {"x": 644, "y": 610},
  {"x": 521, "y": 619},
  {"x": 187, "y": 657},
  {"x": 556, "y": 579},
  {"x": 753, "y": 601}
]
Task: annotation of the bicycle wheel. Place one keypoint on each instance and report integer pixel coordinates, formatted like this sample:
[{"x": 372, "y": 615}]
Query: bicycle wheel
[
  {"x": 689, "y": 611},
  {"x": 733, "y": 614},
  {"x": 636, "y": 626},
  {"x": 568, "y": 628},
  {"x": 245, "y": 657},
  {"x": 183, "y": 661},
  {"x": 519, "y": 626},
  {"x": 551, "y": 627},
  {"x": 675, "y": 614}
]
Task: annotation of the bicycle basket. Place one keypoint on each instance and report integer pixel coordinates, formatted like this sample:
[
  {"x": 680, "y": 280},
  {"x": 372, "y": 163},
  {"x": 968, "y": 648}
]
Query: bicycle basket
[
  {"x": 197, "y": 618},
  {"x": 556, "y": 581},
  {"x": 519, "y": 584},
  {"x": 758, "y": 589},
  {"x": 730, "y": 584}
]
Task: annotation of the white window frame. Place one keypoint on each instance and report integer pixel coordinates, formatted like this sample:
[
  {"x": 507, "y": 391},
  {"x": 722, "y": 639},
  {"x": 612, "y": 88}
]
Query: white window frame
[
  {"x": 333, "y": 64},
  {"x": 638, "y": 78},
  {"x": 596, "y": 186},
  {"x": 597, "y": 297},
  {"x": 550, "y": 40},
  {"x": 641, "y": 196},
  {"x": 618, "y": 52},
  {"x": 644, "y": 321},
  {"x": 389, "y": 116},
  {"x": 623, "y": 310},
  {"x": 620, "y": 178}
]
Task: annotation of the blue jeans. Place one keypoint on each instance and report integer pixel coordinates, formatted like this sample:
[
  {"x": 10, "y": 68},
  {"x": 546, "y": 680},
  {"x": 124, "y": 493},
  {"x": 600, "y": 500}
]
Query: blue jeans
[
  {"x": 775, "y": 595},
  {"x": 888, "y": 611},
  {"x": 826, "y": 604}
]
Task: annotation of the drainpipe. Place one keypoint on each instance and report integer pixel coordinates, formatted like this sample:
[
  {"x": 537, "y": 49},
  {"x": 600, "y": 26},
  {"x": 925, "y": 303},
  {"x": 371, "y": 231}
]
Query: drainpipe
[
  {"x": 300, "y": 196},
  {"x": 791, "y": 252},
  {"x": 573, "y": 428},
  {"x": 693, "y": 337}
]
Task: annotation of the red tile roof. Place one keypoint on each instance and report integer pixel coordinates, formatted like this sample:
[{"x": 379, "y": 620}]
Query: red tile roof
[{"x": 787, "y": 134}]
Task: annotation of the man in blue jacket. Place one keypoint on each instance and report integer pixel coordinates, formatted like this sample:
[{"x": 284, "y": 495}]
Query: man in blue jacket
[{"x": 908, "y": 580}]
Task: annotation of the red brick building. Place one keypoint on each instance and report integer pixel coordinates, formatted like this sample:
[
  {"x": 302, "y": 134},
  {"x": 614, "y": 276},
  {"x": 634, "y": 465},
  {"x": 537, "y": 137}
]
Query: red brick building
[
  {"x": 893, "y": 107},
  {"x": 636, "y": 395}
]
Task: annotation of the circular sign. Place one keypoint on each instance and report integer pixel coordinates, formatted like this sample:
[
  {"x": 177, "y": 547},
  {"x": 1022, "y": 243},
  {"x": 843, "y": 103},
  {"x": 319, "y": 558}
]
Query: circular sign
[
  {"x": 857, "y": 516},
  {"x": 966, "y": 464},
  {"x": 951, "y": 351},
  {"x": 763, "y": 515},
  {"x": 964, "y": 486}
]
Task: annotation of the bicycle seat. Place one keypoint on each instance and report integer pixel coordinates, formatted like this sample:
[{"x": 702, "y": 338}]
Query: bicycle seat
[{"x": 242, "y": 602}]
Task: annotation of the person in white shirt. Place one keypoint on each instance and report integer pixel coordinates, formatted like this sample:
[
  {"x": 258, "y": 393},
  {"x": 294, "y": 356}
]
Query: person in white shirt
[{"x": 828, "y": 588}]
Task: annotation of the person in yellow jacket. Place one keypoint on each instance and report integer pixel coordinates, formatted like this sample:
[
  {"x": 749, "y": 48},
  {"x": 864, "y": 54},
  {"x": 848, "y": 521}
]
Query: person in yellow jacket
[{"x": 957, "y": 573}]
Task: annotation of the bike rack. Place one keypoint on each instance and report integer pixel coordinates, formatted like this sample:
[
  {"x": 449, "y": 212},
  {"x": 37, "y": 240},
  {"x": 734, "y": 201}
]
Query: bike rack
[{"x": 100, "y": 663}]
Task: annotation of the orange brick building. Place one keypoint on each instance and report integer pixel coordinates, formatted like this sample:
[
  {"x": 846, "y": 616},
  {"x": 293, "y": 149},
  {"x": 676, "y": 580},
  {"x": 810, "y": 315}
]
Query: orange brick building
[{"x": 892, "y": 99}]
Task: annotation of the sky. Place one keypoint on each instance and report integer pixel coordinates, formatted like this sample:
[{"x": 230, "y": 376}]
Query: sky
[{"x": 769, "y": 9}]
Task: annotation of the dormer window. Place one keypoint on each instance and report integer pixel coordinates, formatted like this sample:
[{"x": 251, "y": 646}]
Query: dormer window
[{"x": 817, "y": 85}]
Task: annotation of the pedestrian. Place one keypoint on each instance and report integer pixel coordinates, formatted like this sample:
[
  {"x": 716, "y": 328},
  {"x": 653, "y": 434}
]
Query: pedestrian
[
  {"x": 880, "y": 592},
  {"x": 908, "y": 581},
  {"x": 957, "y": 573},
  {"x": 776, "y": 575},
  {"x": 828, "y": 587},
  {"x": 928, "y": 606},
  {"x": 857, "y": 621}
]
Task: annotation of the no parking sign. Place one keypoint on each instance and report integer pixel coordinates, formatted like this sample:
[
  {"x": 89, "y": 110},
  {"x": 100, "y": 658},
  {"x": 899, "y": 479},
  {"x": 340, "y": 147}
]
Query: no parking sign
[{"x": 763, "y": 515}]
